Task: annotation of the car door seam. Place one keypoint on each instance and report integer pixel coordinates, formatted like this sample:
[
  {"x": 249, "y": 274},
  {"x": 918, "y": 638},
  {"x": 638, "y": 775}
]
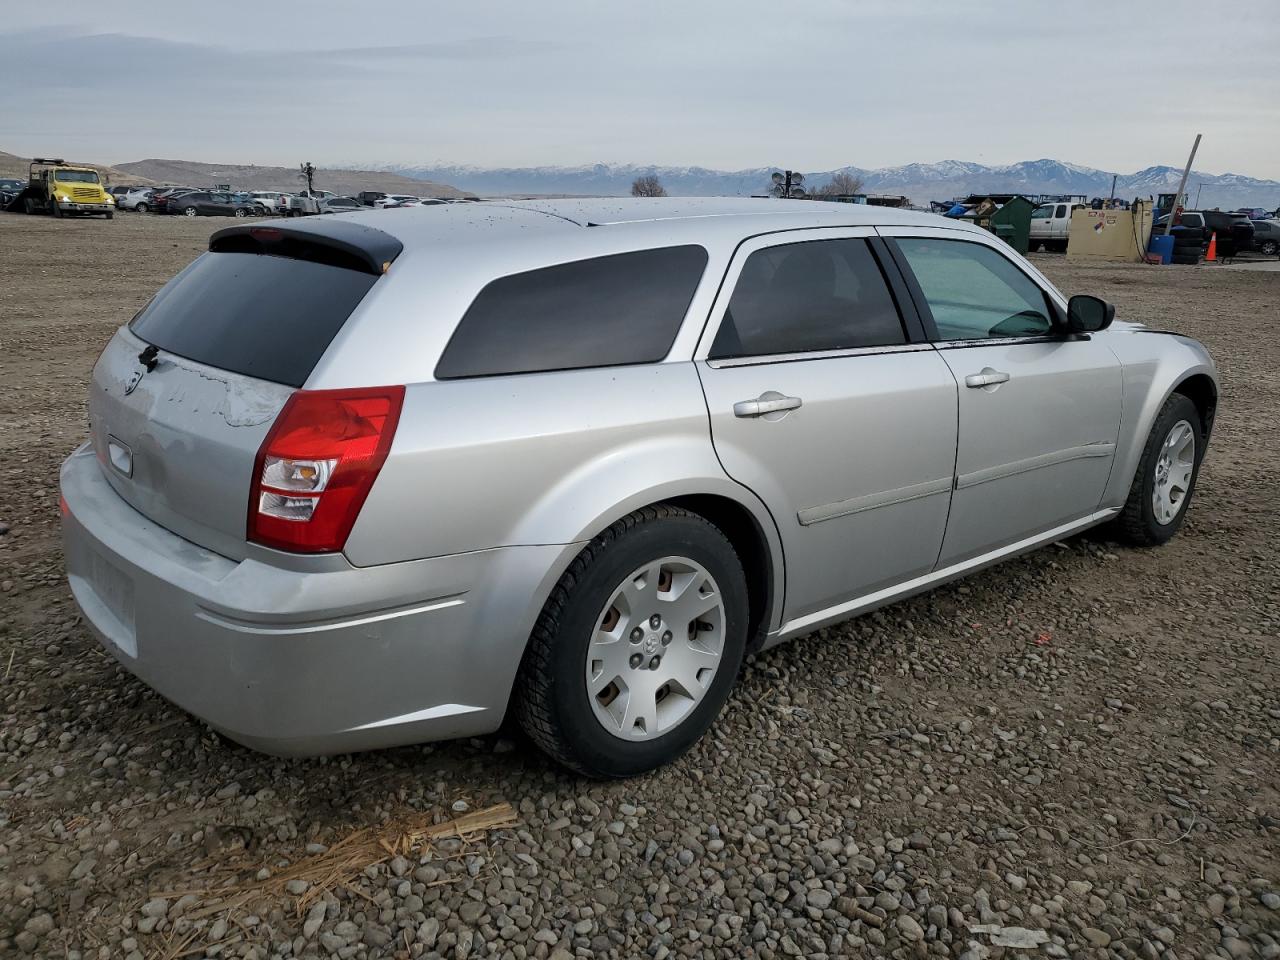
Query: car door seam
[{"x": 775, "y": 604}]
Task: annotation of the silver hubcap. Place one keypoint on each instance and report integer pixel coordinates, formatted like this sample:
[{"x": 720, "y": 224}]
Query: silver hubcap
[
  {"x": 655, "y": 649},
  {"x": 1173, "y": 473}
]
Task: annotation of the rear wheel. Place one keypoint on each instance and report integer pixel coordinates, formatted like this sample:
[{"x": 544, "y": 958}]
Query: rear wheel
[
  {"x": 241, "y": 213},
  {"x": 1166, "y": 477},
  {"x": 188, "y": 211},
  {"x": 1269, "y": 247},
  {"x": 638, "y": 646}
]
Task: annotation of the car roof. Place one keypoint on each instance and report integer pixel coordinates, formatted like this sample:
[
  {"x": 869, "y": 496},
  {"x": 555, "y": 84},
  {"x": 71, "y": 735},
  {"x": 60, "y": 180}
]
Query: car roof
[{"x": 629, "y": 222}]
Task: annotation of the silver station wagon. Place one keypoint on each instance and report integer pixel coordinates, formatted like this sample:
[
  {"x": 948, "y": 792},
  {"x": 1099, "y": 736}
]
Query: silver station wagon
[{"x": 379, "y": 479}]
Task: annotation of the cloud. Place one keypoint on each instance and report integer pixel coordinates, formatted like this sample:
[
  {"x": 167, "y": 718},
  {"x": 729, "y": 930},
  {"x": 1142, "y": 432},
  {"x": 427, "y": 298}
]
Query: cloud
[{"x": 724, "y": 83}]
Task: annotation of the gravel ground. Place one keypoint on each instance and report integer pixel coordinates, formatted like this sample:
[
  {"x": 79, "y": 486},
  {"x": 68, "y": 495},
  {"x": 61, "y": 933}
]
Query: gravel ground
[{"x": 1076, "y": 753}]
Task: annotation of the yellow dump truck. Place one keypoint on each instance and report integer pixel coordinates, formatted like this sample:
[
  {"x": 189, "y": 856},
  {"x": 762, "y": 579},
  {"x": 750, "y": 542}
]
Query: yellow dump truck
[{"x": 63, "y": 190}]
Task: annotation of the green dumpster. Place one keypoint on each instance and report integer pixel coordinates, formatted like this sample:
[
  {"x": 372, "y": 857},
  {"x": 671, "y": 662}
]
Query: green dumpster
[{"x": 1011, "y": 222}]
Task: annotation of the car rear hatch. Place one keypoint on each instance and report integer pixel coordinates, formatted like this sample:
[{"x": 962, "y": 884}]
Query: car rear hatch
[{"x": 183, "y": 396}]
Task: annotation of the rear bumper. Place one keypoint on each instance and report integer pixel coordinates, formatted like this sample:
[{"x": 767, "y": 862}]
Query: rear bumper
[{"x": 302, "y": 661}]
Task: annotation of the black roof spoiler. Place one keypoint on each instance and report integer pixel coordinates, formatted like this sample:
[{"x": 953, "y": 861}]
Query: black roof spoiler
[{"x": 339, "y": 243}]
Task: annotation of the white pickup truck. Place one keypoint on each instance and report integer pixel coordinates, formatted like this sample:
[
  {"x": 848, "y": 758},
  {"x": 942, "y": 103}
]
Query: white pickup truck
[
  {"x": 1051, "y": 223},
  {"x": 306, "y": 204}
]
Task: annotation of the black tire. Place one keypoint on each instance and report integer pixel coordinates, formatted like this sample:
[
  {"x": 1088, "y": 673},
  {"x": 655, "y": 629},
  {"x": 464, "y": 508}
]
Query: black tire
[
  {"x": 1186, "y": 258},
  {"x": 190, "y": 212},
  {"x": 1188, "y": 234},
  {"x": 1033, "y": 245},
  {"x": 1136, "y": 523},
  {"x": 56, "y": 210},
  {"x": 551, "y": 700},
  {"x": 111, "y": 214},
  {"x": 141, "y": 207},
  {"x": 241, "y": 213},
  {"x": 1269, "y": 247}
]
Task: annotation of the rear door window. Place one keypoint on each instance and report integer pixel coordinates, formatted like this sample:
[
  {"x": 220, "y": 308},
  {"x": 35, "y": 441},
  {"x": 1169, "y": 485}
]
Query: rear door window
[
  {"x": 806, "y": 297},
  {"x": 262, "y": 316},
  {"x": 606, "y": 311}
]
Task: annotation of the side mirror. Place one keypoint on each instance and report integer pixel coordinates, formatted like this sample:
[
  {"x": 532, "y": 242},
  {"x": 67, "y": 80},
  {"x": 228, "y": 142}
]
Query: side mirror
[{"x": 1086, "y": 314}]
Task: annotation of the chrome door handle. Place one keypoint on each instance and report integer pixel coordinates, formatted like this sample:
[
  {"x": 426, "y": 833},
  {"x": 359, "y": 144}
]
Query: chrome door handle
[
  {"x": 766, "y": 403},
  {"x": 987, "y": 378}
]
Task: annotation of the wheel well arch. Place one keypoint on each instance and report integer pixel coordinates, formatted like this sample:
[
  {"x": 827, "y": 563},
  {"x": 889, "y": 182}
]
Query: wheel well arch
[
  {"x": 1200, "y": 389},
  {"x": 748, "y": 539}
]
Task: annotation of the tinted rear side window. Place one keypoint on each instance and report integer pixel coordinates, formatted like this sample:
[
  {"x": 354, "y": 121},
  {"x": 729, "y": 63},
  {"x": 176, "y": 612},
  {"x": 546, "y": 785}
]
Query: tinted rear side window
[
  {"x": 812, "y": 296},
  {"x": 607, "y": 311},
  {"x": 262, "y": 316}
]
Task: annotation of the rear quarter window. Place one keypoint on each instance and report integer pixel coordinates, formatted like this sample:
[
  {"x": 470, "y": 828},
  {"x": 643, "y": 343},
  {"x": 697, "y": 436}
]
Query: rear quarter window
[
  {"x": 262, "y": 316},
  {"x": 606, "y": 311}
]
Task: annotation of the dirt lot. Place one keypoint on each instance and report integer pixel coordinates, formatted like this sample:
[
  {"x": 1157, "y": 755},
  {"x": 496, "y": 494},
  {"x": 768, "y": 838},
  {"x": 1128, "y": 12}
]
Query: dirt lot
[{"x": 1084, "y": 743}]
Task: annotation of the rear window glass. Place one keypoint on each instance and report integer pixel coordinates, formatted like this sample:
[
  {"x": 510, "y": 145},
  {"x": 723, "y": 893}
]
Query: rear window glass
[
  {"x": 254, "y": 314},
  {"x": 606, "y": 311}
]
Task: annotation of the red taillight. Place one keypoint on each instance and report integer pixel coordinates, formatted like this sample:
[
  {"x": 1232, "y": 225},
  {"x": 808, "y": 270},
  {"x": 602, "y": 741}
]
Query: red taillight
[{"x": 317, "y": 465}]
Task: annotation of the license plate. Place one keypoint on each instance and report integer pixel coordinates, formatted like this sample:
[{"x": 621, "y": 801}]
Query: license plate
[{"x": 115, "y": 590}]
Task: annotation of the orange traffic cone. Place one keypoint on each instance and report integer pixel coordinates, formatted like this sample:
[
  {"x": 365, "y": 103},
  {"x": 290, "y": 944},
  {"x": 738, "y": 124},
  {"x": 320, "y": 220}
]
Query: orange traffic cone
[{"x": 1212, "y": 255}]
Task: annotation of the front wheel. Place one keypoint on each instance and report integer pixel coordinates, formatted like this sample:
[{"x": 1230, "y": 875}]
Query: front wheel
[
  {"x": 638, "y": 646},
  {"x": 141, "y": 208},
  {"x": 1269, "y": 247},
  {"x": 1166, "y": 477}
]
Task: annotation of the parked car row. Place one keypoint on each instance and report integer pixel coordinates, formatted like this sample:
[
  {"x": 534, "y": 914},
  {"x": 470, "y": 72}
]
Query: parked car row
[
  {"x": 195, "y": 202},
  {"x": 1236, "y": 232},
  {"x": 1193, "y": 229}
]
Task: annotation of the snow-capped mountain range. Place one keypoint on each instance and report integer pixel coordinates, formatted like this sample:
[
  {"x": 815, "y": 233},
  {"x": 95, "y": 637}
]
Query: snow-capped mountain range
[{"x": 919, "y": 181}]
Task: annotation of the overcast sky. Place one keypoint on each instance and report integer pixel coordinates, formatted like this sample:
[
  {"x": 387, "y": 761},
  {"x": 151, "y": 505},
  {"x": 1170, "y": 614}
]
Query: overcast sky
[{"x": 720, "y": 83}]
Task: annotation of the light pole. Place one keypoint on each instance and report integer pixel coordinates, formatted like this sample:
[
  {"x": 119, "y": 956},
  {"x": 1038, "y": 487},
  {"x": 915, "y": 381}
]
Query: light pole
[{"x": 1182, "y": 187}]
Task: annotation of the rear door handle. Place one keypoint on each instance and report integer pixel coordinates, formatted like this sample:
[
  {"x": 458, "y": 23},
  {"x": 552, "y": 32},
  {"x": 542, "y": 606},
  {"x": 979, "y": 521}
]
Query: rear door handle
[
  {"x": 766, "y": 403},
  {"x": 987, "y": 378}
]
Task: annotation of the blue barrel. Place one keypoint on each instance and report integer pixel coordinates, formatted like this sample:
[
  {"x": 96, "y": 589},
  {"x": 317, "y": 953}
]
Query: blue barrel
[{"x": 1162, "y": 245}]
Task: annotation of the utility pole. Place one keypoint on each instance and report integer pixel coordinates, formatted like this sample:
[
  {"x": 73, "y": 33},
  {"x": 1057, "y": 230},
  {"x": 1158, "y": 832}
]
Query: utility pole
[
  {"x": 1182, "y": 185},
  {"x": 1199, "y": 187},
  {"x": 1113, "y": 185}
]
